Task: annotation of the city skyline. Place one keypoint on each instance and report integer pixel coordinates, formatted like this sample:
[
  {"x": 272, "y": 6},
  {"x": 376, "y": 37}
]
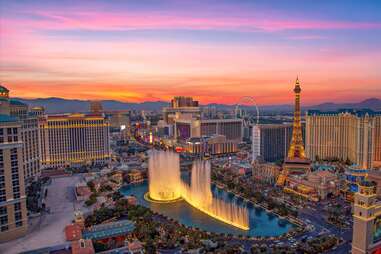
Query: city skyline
[{"x": 215, "y": 51}]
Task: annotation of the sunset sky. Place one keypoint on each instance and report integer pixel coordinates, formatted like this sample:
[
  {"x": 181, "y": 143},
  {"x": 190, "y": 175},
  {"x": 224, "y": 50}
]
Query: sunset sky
[{"x": 213, "y": 50}]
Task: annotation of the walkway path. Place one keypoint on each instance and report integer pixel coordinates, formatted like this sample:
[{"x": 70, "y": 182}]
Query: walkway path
[{"x": 48, "y": 230}]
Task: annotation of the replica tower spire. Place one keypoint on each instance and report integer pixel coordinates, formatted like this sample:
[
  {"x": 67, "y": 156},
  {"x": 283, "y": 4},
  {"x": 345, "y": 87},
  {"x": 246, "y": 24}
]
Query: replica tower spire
[{"x": 296, "y": 147}]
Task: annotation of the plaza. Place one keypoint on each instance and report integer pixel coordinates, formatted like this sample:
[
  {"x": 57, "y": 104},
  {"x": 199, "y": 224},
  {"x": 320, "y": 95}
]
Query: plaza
[{"x": 48, "y": 229}]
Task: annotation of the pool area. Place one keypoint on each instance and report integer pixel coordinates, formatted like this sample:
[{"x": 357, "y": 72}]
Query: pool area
[{"x": 261, "y": 222}]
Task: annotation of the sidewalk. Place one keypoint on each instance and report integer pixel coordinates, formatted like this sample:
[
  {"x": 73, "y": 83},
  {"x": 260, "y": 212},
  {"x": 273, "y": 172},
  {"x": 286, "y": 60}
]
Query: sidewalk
[{"x": 48, "y": 229}]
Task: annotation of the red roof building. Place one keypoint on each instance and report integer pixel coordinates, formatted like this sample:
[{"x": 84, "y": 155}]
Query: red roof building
[
  {"x": 73, "y": 232},
  {"x": 82, "y": 246}
]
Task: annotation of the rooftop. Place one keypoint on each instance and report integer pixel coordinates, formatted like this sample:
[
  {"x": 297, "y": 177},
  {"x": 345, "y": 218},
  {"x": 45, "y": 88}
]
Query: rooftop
[
  {"x": 73, "y": 232},
  {"x": 7, "y": 118},
  {"x": 107, "y": 230},
  {"x": 18, "y": 103},
  {"x": 358, "y": 113}
]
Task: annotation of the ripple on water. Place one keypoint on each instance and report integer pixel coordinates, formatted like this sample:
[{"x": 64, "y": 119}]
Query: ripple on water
[{"x": 262, "y": 223}]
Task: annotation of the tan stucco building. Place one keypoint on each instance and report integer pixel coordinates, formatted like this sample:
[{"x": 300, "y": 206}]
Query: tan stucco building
[
  {"x": 345, "y": 135},
  {"x": 13, "y": 213},
  {"x": 74, "y": 139}
]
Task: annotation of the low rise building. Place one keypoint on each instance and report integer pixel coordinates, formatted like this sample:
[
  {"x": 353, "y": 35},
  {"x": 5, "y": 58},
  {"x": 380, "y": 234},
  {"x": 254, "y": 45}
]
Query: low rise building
[
  {"x": 135, "y": 176},
  {"x": 315, "y": 186},
  {"x": 213, "y": 145},
  {"x": 267, "y": 172},
  {"x": 82, "y": 246}
]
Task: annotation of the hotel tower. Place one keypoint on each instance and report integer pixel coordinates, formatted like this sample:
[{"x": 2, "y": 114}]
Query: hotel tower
[
  {"x": 13, "y": 213},
  {"x": 353, "y": 135},
  {"x": 74, "y": 140}
]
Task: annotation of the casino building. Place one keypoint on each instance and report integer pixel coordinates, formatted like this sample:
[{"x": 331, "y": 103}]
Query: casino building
[
  {"x": 296, "y": 176},
  {"x": 13, "y": 213},
  {"x": 271, "y": 141},
  {"x": 346, "y": 135},
  {"x": 74, "y": 140}
]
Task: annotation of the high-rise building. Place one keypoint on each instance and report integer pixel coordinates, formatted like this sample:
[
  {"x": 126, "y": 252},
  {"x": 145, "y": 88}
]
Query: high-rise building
[
  {"x": 345, "y": 135},
  {"x": 118, "y": 119},
  {"x": 96, "y": 107},
  {"x": 182, "y": 101},
  {"x": 184, "y": 116},
  {"x": 271, "y": 141},
  {"x": 74, "y": 139},
  {"x": 232, "y": 129},
  {"x": 366, "y": 220},
  {"x": 31, "y": 153},
  {"x": 377, "y": 140},
  {"x": 29, "y": 133},
  {"x": 181, "y": 108},
  {"x": 13, "y": 213}
]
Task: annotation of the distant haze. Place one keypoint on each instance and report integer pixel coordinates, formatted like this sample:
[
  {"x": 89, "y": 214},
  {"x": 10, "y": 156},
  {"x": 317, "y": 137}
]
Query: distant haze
[{"x": 59, "y": 105}]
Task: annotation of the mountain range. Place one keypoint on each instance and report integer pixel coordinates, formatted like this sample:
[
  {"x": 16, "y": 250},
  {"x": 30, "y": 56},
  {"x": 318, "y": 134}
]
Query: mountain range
[{"x": 59, "y": 105}]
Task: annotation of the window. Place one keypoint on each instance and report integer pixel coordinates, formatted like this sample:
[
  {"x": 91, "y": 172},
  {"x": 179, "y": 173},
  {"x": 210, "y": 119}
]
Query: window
[
  {"x": 18, "y": 216},
  {"x": 3, "y": 228},
  {"x": 9, "y": 131},
  {"x": 3, "y": 220},
  {"x": 14, "y": 131}
]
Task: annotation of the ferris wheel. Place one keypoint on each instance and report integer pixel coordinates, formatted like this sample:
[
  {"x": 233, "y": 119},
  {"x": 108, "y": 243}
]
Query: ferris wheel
[{"x": 239, "y": 112}]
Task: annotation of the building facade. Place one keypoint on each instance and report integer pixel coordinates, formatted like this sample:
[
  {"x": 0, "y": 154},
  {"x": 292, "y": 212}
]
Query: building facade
[
  {"x": 184, "y": 108},
  {"x": 214, "y": 145},
  {"x": 29, "y": 131},
  {"x": 366, "y": 220},
  {"x": 344, "y": 135},
  {"x": 232, "y": 129},
  {"x": 75, "y": 139},
  {"x": 266, "y": 172},
  {"x": 271, "y": 141},
  {"x": 31, "y": 153},
  {"x": 13, "y": 213},
  {"x": 96, "y": 107}
]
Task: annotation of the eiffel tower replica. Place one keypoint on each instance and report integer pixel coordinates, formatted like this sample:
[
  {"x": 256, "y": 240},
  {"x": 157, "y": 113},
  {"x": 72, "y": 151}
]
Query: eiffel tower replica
[{"x": 296, "y": 162}]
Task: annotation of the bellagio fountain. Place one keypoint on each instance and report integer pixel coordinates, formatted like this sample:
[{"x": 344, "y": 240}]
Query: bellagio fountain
[{"x": 166, "y": 185}]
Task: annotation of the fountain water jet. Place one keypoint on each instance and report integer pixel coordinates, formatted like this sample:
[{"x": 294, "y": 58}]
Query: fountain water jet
[
  {"x": 164, "y": 176},
  {"x": 165, "y": 185},
  {"x": 200, "y": 196}
]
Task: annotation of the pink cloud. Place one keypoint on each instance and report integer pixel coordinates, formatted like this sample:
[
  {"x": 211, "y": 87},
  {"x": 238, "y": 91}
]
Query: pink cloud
[{"x": 95, "y": 20}]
